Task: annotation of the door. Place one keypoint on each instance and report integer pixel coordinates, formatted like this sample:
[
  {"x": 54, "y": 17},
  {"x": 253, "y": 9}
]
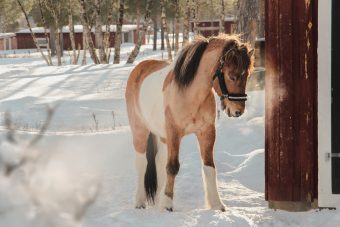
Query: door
[
  {"x": 335, "y": 97},
  {"x": 328, "y": 104}
]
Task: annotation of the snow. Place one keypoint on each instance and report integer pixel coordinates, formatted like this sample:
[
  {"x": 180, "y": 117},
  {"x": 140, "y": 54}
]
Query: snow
[
  {"x": 6, "y": 35},
  {"x": 79, "y": 29},
  {"x": 86, "y": 157}
]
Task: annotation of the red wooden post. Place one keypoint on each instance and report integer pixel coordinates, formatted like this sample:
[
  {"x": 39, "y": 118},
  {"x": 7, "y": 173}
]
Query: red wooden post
[{"x": 291, "y": 104}]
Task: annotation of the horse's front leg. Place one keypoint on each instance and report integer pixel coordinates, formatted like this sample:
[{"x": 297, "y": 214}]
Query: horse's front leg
[{"x": 206, "y": 139}]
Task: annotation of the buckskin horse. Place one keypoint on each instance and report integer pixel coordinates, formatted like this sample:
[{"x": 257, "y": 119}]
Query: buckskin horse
[{"x": 168, "y": 101}]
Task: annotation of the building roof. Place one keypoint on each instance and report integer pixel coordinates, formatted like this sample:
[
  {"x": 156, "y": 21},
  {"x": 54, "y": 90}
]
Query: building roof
[
  {"x": 7, "y": 35},
  {"x": 79, "y": 29}
]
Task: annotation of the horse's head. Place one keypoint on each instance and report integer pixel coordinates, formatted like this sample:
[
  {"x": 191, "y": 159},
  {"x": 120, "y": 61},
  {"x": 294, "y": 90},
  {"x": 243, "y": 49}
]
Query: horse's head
[{"x": 231, "y": 75}]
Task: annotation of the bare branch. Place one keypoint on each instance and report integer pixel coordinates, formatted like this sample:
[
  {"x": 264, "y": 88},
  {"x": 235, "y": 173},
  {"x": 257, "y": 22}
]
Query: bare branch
[
  {"x": 50, "y": 112},
  {"x": 10, "y": 128}
]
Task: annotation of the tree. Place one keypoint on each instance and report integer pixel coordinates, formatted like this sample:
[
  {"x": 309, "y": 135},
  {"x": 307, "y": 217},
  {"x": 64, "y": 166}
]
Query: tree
[
  {"x": 247, "y": 12},
  {"x": 21, "y": 5},
  {"x": 165, "y": 29},
  {"x": 177, "y": 21},
  {"x": 71, "y": 29},
  {"x": 118, "y": 38},
  {"x": 222, "y": 30},
  {"x": 9, "y": 15},
  {"x": 141, "y": 33},
  {"x": 194, "y": 12},
  {"x": 186, "y": 24},
  {"x": 99, "y": 32},
  {"x": 55, "y": 8},
  {"x": 47, "y": 38},
  {"x": 87, "y": 31},
  {"x": 107, "y": 34}
]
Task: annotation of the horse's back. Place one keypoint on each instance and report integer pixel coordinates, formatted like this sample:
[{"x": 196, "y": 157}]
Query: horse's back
[{"x": 139, "y": 73}]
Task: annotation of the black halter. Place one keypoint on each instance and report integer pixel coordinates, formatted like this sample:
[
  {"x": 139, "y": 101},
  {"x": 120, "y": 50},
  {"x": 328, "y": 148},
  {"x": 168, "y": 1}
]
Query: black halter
[{"x": 225, "y": 94}]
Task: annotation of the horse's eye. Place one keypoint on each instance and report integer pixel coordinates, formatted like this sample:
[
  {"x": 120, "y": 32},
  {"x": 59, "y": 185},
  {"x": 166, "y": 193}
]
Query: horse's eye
[{"x": 233, "y": 78}]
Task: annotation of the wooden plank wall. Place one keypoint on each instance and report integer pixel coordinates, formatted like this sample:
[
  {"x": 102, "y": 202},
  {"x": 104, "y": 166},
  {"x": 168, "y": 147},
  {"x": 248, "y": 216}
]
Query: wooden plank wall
[{"x": 291, "y": 102}]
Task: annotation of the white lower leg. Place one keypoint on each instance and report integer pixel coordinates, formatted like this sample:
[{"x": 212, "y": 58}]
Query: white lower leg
[
  {"x": 141, "y": 163},
  {"x": 212, "y": 197},
  {"x": 161, "y": 159}
]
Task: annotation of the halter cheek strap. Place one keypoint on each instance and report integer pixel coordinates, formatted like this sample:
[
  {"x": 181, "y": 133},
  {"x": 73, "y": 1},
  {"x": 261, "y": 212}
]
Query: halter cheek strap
[{"x": 225, "y": 94}]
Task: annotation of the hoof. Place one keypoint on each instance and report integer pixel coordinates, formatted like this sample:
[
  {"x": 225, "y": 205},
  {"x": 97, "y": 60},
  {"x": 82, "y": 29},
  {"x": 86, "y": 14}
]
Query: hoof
[
  {"x": 222, "y": 209},
  {"x": 169, "y": 209},
  {"x": 140, "y": 207}
]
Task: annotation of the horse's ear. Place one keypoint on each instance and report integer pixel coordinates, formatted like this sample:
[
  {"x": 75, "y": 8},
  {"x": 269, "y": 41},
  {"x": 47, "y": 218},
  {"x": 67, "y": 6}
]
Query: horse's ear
[{"x": 251, "y": 52}]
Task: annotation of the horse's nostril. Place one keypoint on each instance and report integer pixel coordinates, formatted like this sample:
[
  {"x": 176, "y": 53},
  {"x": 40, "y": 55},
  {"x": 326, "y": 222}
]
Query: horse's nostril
[{"x": 238, "y": 113}]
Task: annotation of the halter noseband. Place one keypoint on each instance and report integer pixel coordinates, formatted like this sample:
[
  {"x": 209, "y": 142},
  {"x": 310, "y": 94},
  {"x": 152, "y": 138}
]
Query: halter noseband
[{"x": 225, "y": 94}]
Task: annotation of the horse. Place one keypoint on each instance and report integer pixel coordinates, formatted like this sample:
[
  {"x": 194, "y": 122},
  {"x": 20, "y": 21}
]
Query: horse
[{"x": 167, "y": 101}]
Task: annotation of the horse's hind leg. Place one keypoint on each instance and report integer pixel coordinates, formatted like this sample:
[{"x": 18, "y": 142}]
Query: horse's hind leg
[
  {"x": 206, "y": 139},
  {"x": 140, "y": 137}
]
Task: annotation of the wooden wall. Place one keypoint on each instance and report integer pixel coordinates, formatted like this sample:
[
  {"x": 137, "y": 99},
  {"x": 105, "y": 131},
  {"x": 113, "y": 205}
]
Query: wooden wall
[{"x": 291, "y": 104}]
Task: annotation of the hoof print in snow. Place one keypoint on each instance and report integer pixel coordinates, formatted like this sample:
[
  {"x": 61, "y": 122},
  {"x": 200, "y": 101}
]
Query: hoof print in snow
[{"x": 169, "y": 209}]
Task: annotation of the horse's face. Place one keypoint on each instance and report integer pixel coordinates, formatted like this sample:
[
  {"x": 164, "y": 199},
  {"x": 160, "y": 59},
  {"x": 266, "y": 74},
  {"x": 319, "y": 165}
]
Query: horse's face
[{"x": 236, "y": 84}]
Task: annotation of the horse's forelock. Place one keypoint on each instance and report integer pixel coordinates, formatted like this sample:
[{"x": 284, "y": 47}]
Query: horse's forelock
[{"x": 237, "y": 56}]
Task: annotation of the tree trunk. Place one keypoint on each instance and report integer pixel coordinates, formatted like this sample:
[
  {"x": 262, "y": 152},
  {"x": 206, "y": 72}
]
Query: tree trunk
[
  {"x": 84, "y": 62},
  {"x": 87, "y": 31},
  {"x": 261, "y": 27},
  {"x": 186, "y": 23},
  {"x": 177, "y": 10},
  {"x": 99, "y": 33},
  {"x": 141, "y": 33},
  {"x": 162, "y": 36},
  {"x": 57, "y": 42},
  {"x": 118, "y": 38},
  {"x": 222, "y": 16},
  {"x": 155, "y": 28},
  {"x": 165, "y": 29},
  {"x": 247, "y": 12},
  {"x": 194, "y": 12},
  {"x": 52, "y": 40},
  {"x": 107, "y": 34},
  {"x": 71, "y": 28},
  {"x": 49, "y": 55},
  {"x": 32, "y": 34}
]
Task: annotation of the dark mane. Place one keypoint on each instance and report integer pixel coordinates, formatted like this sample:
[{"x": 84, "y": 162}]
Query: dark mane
[{"x": 187, "y": 62}]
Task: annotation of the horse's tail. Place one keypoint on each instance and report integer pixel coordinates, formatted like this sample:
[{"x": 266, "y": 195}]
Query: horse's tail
[{"x": 150, "y": 179}]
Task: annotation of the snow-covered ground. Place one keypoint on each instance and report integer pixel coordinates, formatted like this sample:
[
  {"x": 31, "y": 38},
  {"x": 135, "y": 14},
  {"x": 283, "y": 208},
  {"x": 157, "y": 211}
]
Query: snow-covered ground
[{"x": 88, "y": 150}]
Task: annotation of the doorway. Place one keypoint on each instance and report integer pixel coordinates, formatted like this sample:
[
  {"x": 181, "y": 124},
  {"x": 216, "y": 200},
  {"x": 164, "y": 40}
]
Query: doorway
[{"x": 335, "y": 97}]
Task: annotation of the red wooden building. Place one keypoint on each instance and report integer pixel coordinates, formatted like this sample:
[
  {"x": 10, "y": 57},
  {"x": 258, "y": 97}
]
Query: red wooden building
[
  {"x": 25, "y": 40},
  {"x": 211, "y": 27},
  {"x": 8, "y": 41},
  {"x": 302, "y": 104}
]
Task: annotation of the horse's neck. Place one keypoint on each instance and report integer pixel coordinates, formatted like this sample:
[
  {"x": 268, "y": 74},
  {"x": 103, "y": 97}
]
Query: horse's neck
[{"x": 202, "y": 85}]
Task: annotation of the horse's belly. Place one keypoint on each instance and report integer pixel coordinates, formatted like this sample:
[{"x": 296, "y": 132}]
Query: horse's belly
[{"x": 151, "y": 101}]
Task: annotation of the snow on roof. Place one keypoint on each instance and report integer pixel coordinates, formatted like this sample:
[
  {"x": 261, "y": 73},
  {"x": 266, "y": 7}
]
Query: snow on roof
[
  {"x": 227, "y": 18},
  {"x": 7, "y": 35},
  {"x": 79, "y": 29}
]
